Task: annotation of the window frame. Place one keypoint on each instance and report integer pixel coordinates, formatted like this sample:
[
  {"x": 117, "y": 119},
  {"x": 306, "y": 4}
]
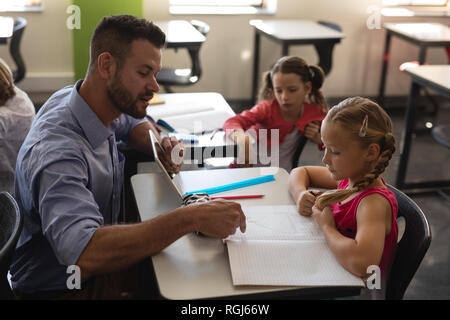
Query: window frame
[
  {"x": 267, "y": 7},
  {"x": 389, "y": 3},
  {"x": 21, "y": 6}
]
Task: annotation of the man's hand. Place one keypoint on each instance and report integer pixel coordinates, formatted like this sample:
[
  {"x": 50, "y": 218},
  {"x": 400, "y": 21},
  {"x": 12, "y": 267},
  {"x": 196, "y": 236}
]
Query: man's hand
[
  {"x": 219, "y": 218},
  {"x": 171, "y": 155}
]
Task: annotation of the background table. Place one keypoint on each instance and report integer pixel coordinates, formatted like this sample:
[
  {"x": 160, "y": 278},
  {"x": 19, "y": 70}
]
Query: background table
[
  {"x": 6, "y": 28},
  {"x": 436, "y": 77},
  {"x": 294, "y": 32},
  {"x": 196, "y": 267},
  {"x": 206, "y": 145},
  {"x": 423, "y": 35},
  {"x": 181, "y": 34}
]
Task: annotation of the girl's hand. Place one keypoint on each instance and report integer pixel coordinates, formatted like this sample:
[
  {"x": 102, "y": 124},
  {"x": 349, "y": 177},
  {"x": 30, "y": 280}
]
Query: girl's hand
[
  {"x": 312, "y": 132},
  {"x": 306, "y": 201},
  {"x": 323, "y": 217}
]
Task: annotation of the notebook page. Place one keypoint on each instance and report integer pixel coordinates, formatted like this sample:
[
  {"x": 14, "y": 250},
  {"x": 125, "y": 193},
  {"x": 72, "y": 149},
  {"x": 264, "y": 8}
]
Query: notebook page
[
  {"x": 164, "y": 111},
  {"x": 198, "y": 122},
  {"x": 286, "y": 263},
  {"x": 281, "y": 222}
]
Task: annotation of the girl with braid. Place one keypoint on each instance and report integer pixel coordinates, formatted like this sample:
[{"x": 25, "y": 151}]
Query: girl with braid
[
  {"x": 357, "y": 217},
  {"x": 290, "y": 101}
]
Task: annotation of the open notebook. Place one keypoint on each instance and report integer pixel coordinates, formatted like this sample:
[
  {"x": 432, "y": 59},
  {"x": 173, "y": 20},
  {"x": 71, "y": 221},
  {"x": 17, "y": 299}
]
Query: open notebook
[{"x": 281, "y": 247}]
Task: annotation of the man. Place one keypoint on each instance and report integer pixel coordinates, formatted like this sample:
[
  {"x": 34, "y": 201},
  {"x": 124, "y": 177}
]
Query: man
[{"x": 69, "y": 173}]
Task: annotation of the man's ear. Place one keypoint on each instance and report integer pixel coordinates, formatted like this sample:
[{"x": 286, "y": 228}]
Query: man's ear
[
  {"x": 106, "y": 65},
  {"x": 373, "y": 152}
]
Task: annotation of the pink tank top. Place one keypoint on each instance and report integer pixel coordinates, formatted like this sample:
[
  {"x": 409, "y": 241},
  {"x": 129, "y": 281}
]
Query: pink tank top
[{"x": 345, "y": 219}]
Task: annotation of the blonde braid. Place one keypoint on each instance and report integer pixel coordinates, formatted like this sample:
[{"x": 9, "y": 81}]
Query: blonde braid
[{"x": 382, "y": 163}]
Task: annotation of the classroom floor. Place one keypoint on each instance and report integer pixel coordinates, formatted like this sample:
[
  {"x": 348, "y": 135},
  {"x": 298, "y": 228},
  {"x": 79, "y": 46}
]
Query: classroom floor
[{"x": 428, "y": 160}]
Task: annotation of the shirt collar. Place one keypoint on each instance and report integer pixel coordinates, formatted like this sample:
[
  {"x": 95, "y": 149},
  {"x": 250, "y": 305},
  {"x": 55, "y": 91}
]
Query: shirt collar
[{"x": 94, "y": 130}]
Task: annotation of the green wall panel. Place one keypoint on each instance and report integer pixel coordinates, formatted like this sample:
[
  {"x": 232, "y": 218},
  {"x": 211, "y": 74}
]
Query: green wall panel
[{"x": 91, "y": 12}]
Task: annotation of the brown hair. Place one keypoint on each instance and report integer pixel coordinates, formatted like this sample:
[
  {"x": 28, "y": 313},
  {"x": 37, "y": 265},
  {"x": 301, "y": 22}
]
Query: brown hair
[
  {"x": 350, "y": 114},
  {"x": 291, "y": 64},
  {"x": 114, "y": 34},
  {"x": 6, "y": 83}
]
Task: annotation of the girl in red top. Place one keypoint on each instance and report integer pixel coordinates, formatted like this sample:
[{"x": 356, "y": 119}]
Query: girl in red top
[
  {"x": 358, "y": 217},
  {"x": 292, "y": 104}
]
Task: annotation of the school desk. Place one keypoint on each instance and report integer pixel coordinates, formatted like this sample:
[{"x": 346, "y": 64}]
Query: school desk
[
  {"x": 423, "y": 35},
  {"x": 295, "y": 32},
  {"x": 437, "y": 78},
  {"x": 6, "y": 28},
  {"x": 203, "y": 103},
  {"x": 197, "y": 267},
  {"x": 181, "y": 34}
]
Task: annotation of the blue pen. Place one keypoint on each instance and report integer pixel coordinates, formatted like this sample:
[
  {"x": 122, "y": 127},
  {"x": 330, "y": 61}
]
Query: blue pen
[{"x": 161, "y": 122}]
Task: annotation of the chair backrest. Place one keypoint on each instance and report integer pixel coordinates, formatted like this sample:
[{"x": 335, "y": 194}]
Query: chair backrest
[
  {"x": 11, "y": 222},
  {"x": 196, "y": 70},
  {"x": 442, "y": 134},
  {"x": 412, "y": 247},
  {"x": 172, "y": 77},
  {"x": 201, "y": 26},
  {"x": 19, "y": 26}
]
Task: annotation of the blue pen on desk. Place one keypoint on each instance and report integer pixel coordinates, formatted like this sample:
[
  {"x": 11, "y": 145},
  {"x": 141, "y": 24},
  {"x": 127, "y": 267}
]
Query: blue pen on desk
[{"x": 164, "y": 124}]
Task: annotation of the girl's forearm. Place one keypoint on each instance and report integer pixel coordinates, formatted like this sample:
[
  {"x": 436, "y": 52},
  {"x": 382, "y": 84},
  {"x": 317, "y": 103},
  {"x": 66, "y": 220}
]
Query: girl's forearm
[
  {"x": 346, "y": 250},
  {"x": 299, "y": 181}
]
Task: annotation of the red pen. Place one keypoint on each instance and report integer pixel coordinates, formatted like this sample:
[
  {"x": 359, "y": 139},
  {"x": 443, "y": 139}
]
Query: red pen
[{"x": 239, "y": 197}]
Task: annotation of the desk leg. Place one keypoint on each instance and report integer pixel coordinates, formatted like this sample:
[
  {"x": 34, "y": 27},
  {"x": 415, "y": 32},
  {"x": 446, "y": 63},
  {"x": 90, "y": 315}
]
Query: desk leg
[
  {"x": 422, "y": 54},
  {"x": 255, "y": 67},
  {"x": 284, "y": 50},
  {"x": 387, "y": 48},
  {"x": 410, "y": 123}
]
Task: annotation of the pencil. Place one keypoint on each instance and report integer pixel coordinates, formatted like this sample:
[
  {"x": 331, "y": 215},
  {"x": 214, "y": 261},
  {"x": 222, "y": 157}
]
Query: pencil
[{"x": 239, "y": 197}]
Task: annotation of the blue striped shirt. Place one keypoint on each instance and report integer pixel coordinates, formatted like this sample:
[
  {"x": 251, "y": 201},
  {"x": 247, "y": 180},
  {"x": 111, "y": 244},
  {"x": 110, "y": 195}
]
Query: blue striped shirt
[{"x": 68, "y": 182}]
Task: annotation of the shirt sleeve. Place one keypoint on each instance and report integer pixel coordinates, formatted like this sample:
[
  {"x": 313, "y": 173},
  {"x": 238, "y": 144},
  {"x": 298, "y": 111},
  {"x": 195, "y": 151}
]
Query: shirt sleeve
[
  {"x": 69, "y": 213},
  {"x": 123, "y": 126},
  {"x": 247, "y": 118}
]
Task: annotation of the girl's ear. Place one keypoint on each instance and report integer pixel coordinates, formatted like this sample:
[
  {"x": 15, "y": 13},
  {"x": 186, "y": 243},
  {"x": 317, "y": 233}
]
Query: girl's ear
[
  {"x": 308, "y": 87},
  {"x": 373, "y": 152}
]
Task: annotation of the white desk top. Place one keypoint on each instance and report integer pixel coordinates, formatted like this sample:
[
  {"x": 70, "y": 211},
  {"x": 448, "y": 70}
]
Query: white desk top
[
  {"x": 6, "y": 27},
  {"x": 438, "y": 76},
  {"x": 426, "y": 32},
  {"x": 180, "y": 31},
  {"x": 178, "y": 101},
  {"x": 296, "y": 29},
  {"x": 195, "y": 267}
]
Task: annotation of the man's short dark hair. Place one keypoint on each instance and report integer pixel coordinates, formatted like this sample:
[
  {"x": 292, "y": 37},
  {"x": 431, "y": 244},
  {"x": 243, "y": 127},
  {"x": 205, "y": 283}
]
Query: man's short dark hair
[{"x": 114, "y": 34}]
